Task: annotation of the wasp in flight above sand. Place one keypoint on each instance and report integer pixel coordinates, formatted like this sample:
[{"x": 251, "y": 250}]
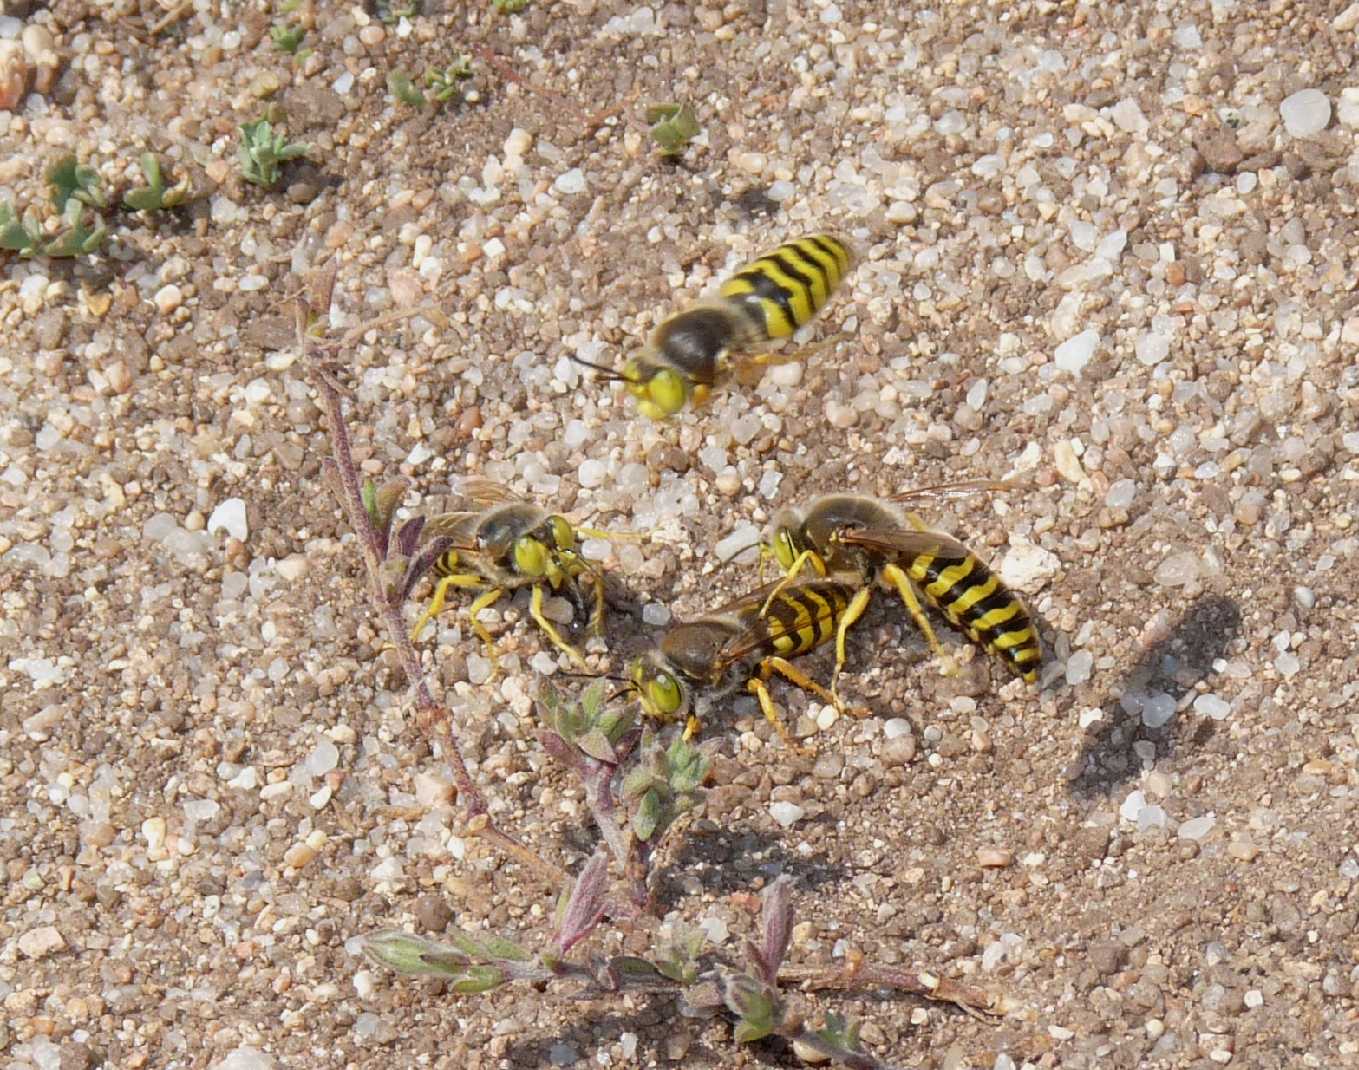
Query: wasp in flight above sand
[{"x": 702, "y": 346}]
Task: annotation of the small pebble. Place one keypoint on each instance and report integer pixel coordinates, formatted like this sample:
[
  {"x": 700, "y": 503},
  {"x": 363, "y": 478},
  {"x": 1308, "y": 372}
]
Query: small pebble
[
  {"x": 168, "y": 298},
  {"x": 230, "y": 516},
  {"x": 1196, "y": 828},
  {"x": 1079, "y": 666},
  {"x": 1212, "y": 706},
  {"x": 785, "y": 813},
  {"x": 40, "y": 942},
  {"x": 572, "y": 181},
  {"x": 1027, "y": 566},
  {"x": 656, "y": 614},
  {"x": 1075, "y": 353},
  {"x": 1306, "y": 113},
  {"x": 994, "y": 857}
]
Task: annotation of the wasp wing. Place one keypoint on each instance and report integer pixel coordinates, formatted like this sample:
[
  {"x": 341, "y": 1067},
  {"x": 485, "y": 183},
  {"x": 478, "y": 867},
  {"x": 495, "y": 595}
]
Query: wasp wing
[
  {"x": 819, "y": 602},
  {"x": 902, "y": 542},
  {"x": 485, "y": 492},
  {"x": 459, "y": 526},
  {"x": 960, "y": 489}
]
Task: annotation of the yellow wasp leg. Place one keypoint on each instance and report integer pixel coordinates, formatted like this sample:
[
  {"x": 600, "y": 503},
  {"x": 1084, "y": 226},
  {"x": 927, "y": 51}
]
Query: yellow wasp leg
[
  {"x": 798, "y": 562},
  {"x": 755, "y": 685},
  {"x": 898, "y": 579},
  {"x": 482, "y": 601},
  {"x": 536, "y": 612},
  {"x": 436, "y": 603},
  {"x": 852, "y": 612},
  {"x": 789, "y": 356},
  {"x": 597, "y": 616},
  {"x": 692, "y": 727}
]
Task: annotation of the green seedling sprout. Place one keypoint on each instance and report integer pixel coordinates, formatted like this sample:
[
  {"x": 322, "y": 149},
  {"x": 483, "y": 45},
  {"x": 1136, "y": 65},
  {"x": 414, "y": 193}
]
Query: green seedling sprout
[
  {"x": 445, "y": 83},
  {"x": 262, "y": 150},
  {"x": 673, "y": 126},
  {"x": 399, "y": 84},
  {"x": 287, "y": 38},
  {"x": 77, "y": 238},
  {"x": 390, "y": 11},
  {"x": 71, "y": 181},
  {"x": 509, "y": 7},
  {"x": 154, "y": 197},
  {"x": 23, "y": 236}
]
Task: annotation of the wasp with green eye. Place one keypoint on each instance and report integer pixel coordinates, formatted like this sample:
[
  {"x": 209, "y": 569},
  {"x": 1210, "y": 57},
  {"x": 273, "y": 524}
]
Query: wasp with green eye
[
  {"x": 700, "y": 348},
  {"x": 871, "y": 538},
  {"x": 700, "y": 662},
  {"x": 507, "y": 544}
]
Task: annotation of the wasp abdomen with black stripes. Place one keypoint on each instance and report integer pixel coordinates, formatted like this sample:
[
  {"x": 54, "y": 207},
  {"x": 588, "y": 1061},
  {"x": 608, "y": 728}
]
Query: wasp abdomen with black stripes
[
  {"x": 975, "y": 601},
  {"x": 783, "y": 290}
]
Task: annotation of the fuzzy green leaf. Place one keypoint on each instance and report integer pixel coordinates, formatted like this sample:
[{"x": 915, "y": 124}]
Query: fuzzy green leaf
[
  {"x": 596, "y": 744},
  {"x": 487, "y": 947},
  {"x": 479, "y": 979},
  {"x": 412, "y": 955},
  {"x": 647, "y": 817}
]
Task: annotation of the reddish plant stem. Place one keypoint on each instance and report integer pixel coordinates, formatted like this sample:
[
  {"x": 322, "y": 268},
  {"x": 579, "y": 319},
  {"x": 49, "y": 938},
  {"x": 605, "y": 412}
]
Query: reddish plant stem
[{"x": 434, "y": 718}]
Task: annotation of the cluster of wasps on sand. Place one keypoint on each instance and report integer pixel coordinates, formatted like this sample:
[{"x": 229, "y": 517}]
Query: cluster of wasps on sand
[{"x": 834, "y": 553}]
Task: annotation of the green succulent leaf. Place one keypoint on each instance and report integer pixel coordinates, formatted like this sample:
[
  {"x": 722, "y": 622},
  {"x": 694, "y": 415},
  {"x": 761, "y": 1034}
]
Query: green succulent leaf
[
  {"x": 673, "y": 126},
  {"x": 70, "y": 180},
  {"x": 479, "y": 979},
  {"x": 399, "y": 84}
]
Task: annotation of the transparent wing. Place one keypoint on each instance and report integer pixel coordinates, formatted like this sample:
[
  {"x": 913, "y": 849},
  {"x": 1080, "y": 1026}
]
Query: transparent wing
[
  {"x": 485, "y": 492},
  {"x": 900, "y": 542},
  {"x": 459, "y": 526},
  {"x": 763, "y": 630},
  {"x": 960, "y": 489}
]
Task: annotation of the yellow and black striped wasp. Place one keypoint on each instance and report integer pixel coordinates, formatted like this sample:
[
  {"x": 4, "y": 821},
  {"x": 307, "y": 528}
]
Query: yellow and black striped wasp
[
  {"x": 692, "y": 352},
  {"x": 875, "y": 541},
  {"x": 700, "y": 662},
  {"x": 507, "y": 543}
]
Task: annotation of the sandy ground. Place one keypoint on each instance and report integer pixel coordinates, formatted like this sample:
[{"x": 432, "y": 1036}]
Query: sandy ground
[{"x": 1106, "y": 248}]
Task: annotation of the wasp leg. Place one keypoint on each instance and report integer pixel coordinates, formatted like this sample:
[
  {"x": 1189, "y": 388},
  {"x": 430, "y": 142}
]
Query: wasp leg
[
  {"x": 692, "y": 727},
  {"x": 852, "y": 612},
  {"x": 483, "y": 601},
  {"x": 597, "y": 614},
  {"x": 796, "y": 567},
  {"x": 898, "y": 579},
  {"x": 795, "y": 676},
  {"x": 769, "y": 359},
  {"x": 436, "y": 603},
  {"x": 536, "y": 612}
]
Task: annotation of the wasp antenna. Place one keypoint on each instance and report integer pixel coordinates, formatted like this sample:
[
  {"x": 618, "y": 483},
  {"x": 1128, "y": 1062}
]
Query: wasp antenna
[
  {"x": 627, "y": 689},
  {"x": 610, "y": 374},
  {"x": 731, "y": 559}
]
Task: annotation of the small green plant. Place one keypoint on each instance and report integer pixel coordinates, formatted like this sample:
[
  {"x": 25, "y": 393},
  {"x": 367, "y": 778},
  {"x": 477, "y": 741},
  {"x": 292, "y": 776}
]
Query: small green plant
[
  {"x": 262, "y": 150},
  {"x": 509, "y": 7},
  {"x": 673, "y": 126},
  {"x": 287, "y": 38},
  {"x": 445, "y": 83},
  {"x": 72, "y": 181},
  {"x": 23, "y": 236},
  {"x": 154, "y": 197},
  {"x": 390, "y": 11},
  {"x": 82, "y": 232},
  {"x": 399, "y": 84}
]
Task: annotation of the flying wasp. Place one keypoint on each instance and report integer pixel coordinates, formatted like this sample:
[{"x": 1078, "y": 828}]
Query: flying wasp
[
  {"x": 873, "y": 539},
  {"x": 699, "y": 662},
  {"x": 505, "y": 544},
  {"x": 696, "y": 350}
]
